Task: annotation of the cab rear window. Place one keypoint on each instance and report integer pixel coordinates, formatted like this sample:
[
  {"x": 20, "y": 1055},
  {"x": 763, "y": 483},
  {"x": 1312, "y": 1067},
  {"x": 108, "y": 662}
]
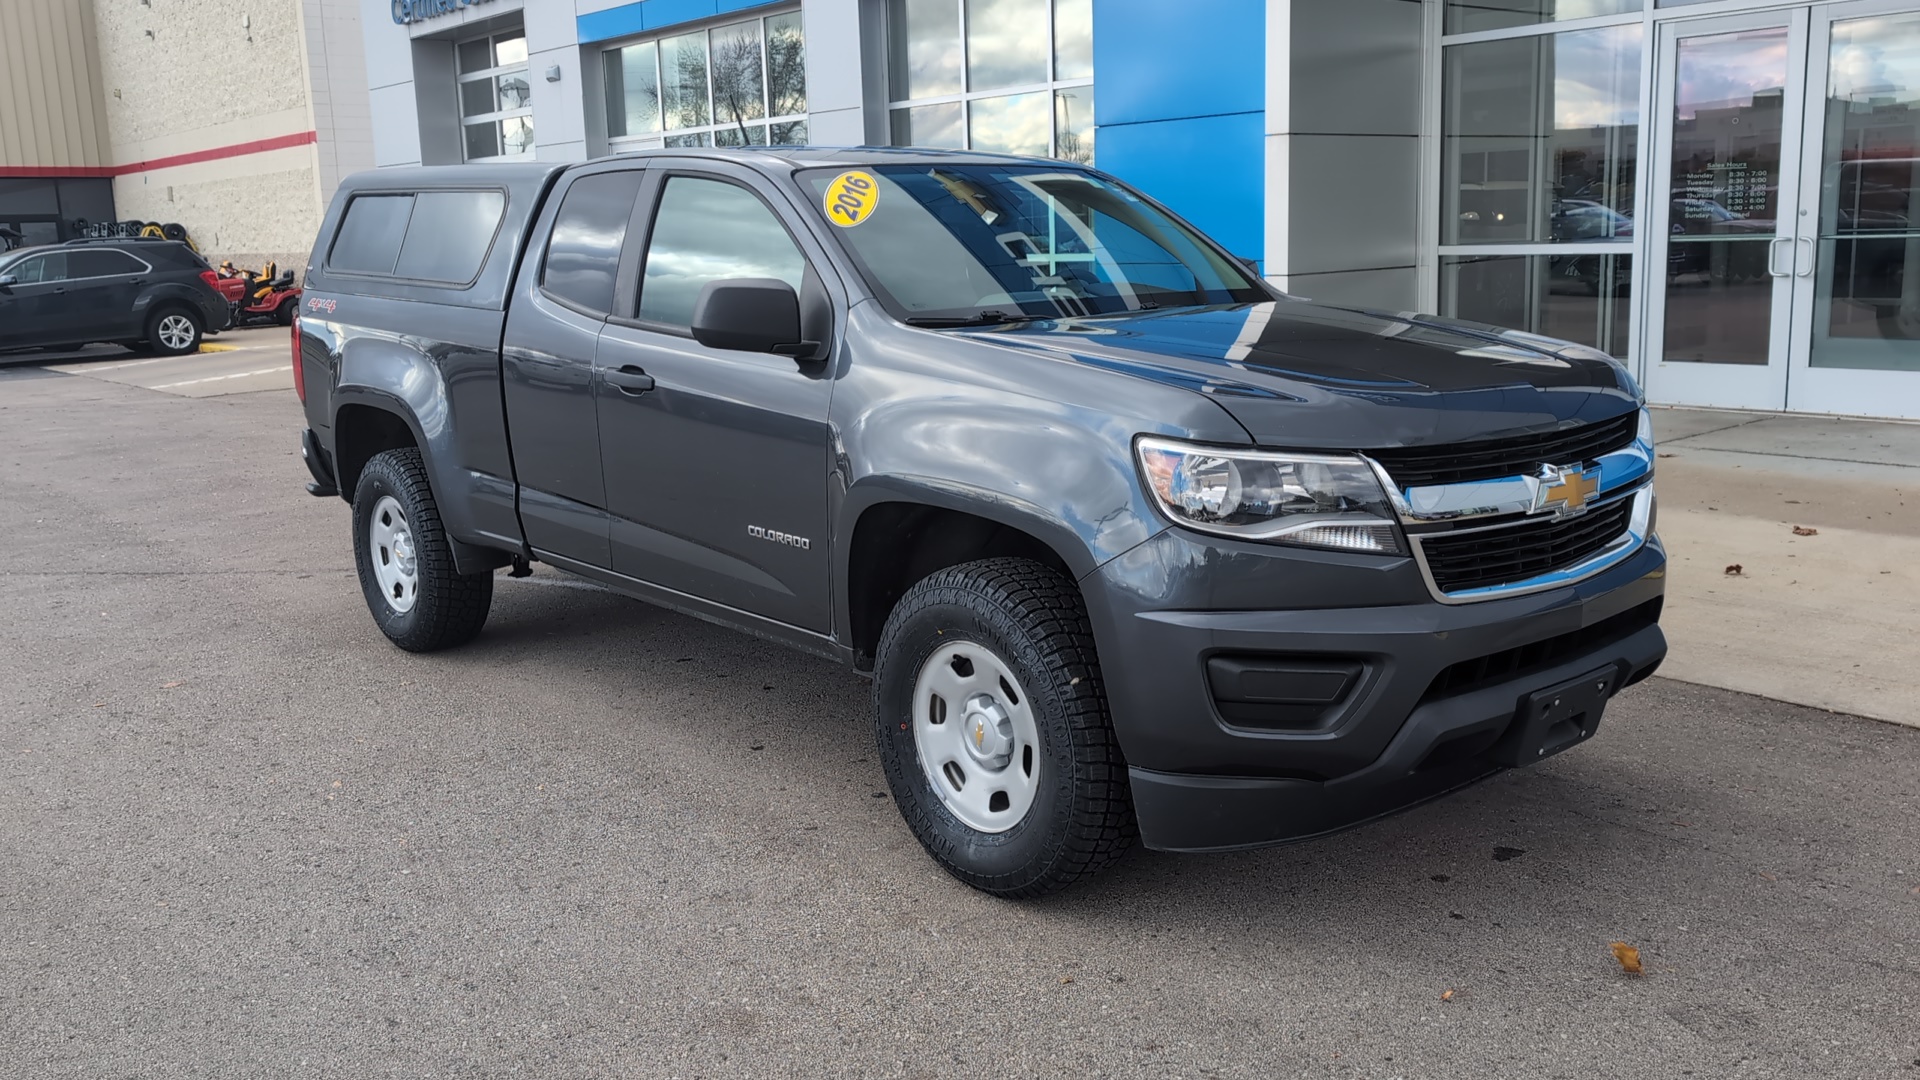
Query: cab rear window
[{"x": 440, "y": 236}]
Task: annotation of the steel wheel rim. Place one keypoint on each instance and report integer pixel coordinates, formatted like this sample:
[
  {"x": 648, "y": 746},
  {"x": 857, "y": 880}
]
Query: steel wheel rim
[
  {"x": 977, "y": 743},
  {"x": 176, "y": 331},
  {"x": 395, "y": 561}
]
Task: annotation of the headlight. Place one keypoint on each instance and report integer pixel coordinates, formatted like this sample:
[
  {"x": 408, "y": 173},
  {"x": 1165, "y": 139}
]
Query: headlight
[{"x": 1326, "y": 501}]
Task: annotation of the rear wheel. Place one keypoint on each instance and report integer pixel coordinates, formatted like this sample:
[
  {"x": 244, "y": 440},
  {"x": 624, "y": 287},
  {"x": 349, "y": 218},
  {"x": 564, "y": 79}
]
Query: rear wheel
[
  {"x": 173, "y": 331},
  {"x": 993, "y": 729},
  {"x": 417, "y": 596}
]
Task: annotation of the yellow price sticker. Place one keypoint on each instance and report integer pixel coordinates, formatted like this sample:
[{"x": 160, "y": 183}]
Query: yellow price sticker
[{"x": 851, "y": 198}]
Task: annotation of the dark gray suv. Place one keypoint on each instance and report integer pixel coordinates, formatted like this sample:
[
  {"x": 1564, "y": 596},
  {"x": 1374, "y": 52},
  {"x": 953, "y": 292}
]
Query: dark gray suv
[
  {"x": 1131, "y": 544},
  {"x": 153, "y": 294}
]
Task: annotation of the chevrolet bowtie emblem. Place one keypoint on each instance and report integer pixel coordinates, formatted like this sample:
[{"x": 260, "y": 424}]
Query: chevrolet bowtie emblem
[
  {"x": 979, "y": 734},
  {"x": 1565, "y": 490}
]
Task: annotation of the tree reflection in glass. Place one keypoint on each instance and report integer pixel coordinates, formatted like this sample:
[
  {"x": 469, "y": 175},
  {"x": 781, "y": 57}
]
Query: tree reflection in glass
[
  {"x": 786, "y": 65},
  {"x": 683, "y": 79}
]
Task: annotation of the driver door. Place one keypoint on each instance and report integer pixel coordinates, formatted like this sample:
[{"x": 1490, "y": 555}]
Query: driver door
[
  {"x": 35, "y": 309},
  {"x": 716, "y": 461}
]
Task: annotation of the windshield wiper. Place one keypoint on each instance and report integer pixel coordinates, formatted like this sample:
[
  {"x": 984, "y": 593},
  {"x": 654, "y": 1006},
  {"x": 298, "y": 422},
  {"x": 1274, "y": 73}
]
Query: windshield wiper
[{"x": 985, "y": 318}]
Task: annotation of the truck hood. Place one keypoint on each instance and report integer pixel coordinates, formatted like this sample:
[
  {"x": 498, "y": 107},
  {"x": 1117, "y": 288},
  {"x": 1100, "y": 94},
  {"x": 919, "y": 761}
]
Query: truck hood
[{"x": 1306, "y": 375}]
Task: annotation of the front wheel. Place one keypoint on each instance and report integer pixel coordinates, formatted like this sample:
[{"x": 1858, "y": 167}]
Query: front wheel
[
  {"x": 417, "y": 596},
  {"x": 993, "y": 729}
]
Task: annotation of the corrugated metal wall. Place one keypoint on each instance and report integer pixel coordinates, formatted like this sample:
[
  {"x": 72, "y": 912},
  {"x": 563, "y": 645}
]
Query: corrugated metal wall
[{"x": 51, "y": 113}]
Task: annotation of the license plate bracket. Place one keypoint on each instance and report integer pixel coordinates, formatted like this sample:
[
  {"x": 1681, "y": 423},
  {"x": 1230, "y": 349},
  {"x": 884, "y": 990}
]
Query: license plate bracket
[{"x": 1551, "y": 720}]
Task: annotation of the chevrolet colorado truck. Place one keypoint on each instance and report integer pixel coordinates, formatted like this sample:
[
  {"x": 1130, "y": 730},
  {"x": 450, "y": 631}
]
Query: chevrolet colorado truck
[{"x": 1132, "y": 545}]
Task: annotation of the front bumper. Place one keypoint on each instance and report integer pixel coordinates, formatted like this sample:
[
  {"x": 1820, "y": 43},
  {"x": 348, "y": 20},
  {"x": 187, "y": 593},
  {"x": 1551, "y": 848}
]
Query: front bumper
[{"x": 1427, "y": 690}]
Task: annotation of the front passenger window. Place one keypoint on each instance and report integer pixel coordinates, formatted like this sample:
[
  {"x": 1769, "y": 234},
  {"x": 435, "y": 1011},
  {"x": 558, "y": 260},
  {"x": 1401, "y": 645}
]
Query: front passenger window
[{"x": 710, "y": 230}]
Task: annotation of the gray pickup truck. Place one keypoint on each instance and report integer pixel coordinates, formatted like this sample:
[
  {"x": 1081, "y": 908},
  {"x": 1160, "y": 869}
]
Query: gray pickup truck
[{"x": 1131, "y": 544}]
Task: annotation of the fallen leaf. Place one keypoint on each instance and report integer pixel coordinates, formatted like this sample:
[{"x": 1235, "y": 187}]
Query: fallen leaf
[
  {"x": 1802, "y": 530},
  {"x": 1793, "y": 502},
  {"x": 1735, "y": 570},
  {"x": 169, "y": 685},
  {"x": 1666, "y": 455},
  {"x": 1447, "y": 996},
  {"x": 1768, "y": 876},
  {"x": 1504, "y": 854},
  {"x": 336, "y": 783},
  {"x": 1684, "y": 824},
  {"x": 99, "y": 704},
  {"x": 1628, "y": 956},
  {"x": 1065, "y": 979}
]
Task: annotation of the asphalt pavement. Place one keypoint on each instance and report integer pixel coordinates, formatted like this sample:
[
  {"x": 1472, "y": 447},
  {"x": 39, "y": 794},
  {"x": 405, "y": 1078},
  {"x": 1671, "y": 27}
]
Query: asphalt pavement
[{"x": 242, "y": 836}]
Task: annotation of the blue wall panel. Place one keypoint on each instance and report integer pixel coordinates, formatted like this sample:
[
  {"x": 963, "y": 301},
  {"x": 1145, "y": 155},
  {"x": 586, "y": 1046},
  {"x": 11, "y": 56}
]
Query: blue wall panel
[
  {"x": 1180, "y": 104},
  {"x": 1210, "y": 170},
  {"x": 1153, "y": 60},
  {"x": 643, "y": 15}
]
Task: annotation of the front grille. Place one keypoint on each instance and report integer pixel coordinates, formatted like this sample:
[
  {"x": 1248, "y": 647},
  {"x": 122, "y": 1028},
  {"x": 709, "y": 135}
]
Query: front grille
[
  {"x": 1494, "y": 459},
  {"x": 1478, "y": 560}
]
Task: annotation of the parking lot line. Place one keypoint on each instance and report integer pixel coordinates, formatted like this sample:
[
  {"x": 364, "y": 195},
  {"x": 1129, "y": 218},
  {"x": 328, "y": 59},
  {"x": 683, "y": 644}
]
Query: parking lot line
[{"x": 215, "y": 378}]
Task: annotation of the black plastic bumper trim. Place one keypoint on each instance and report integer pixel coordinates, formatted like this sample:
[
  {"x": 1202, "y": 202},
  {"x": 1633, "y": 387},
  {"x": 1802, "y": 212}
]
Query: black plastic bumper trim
[{"x": 1188, "y": 812}]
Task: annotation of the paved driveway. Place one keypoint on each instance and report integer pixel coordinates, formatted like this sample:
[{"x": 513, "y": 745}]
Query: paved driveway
[{"x": 241, "y": 836}]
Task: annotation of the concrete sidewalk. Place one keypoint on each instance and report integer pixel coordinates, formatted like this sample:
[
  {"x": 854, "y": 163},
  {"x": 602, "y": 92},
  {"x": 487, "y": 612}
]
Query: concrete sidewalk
[{"x": 1829, "y": 619}]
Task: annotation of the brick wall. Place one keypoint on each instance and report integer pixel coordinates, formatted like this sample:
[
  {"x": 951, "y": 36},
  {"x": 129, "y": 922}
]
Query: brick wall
[{"x": 189, "y": 77}]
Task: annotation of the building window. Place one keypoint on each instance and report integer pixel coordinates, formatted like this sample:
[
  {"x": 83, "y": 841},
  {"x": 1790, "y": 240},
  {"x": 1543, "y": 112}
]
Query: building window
[
  {"x": 973, "y": 74},
  {"x": 496, "y": 105},
  {"x": 737, "y": 84},
  {"x": 1538, "y": 146}
]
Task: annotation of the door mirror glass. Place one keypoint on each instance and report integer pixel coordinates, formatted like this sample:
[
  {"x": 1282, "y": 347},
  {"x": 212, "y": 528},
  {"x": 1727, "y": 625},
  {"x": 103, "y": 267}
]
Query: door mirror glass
[{"x": 749, "y": 315}]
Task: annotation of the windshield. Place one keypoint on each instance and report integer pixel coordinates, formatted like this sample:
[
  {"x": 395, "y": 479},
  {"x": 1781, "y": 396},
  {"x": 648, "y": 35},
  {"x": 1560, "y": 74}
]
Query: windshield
[{"x": 980, "y": 242}]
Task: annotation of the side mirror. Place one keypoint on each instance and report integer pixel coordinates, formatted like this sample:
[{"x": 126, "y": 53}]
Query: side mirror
[
  {"x": 7, "y": 281},
  {"x": 750, "y": 315}
]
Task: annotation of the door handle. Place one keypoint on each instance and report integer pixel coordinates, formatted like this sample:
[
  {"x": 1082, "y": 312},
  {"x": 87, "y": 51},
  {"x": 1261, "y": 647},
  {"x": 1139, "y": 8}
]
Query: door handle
[
  {"x": 1811, "y": 251},
  {"x": 1773, "y": 256},
  {"x": 631, "y": 379}
]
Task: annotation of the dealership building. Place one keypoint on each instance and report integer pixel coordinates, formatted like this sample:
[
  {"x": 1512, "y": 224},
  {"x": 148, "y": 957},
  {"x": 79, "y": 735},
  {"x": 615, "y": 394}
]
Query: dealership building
[{"x": 1720, "y": 192}]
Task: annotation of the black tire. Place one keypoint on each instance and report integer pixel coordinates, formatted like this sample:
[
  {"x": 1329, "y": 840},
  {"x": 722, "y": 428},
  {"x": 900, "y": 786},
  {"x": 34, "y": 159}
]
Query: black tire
[
  {"x": 1032, "y": 619},
  {"x": 181, "y": 347},
  {"x": 284, "y": 313},
  {"x": 448, "y": 608}
]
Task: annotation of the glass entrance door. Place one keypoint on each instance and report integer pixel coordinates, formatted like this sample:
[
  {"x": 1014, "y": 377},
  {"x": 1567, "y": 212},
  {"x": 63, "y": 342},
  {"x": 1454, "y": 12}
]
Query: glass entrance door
[
  {"x": 1857, "y": 292},
  {"x": 1720, "y": 261},
  {"x": 1783, "y": 262}
]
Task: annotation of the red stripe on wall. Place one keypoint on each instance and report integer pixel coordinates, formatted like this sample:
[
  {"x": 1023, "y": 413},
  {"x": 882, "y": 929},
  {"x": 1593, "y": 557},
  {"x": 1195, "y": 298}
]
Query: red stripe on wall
[{"x": 257, "y": 146}]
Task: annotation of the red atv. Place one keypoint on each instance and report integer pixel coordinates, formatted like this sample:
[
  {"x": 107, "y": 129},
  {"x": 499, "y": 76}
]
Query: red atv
[{"x": 266, "y": 297}]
